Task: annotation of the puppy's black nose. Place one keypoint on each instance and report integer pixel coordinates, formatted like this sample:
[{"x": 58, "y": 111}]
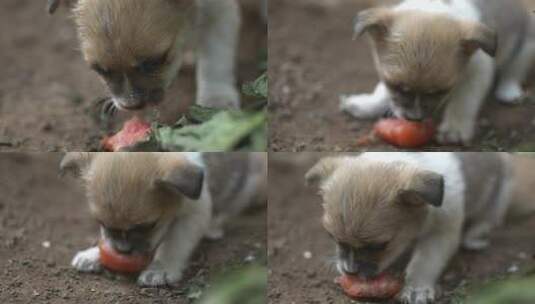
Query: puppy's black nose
[
  {"x": 414, "y": 118},
  {"x": 122, "y": 247},
  {"x": 364, "y": 269},
  {"x": 367, "y": 269}
]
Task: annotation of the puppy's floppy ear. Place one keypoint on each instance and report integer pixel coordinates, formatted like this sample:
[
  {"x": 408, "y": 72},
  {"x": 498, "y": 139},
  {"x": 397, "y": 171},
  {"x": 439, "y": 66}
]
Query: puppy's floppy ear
[
  {"x": 75, "y": 163},
  {"x": 479, "y": 36},
  {"x": 321, "y": 171},
  {"x": 185, "y": 179},
  {"x": 375, "y": 21},
  {"x": 52, "y": 6},
  {"x": 427, "y": 188}
]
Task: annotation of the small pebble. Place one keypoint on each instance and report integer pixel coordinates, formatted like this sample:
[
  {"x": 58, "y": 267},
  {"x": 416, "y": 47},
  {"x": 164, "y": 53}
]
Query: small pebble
[
  {"x": 307, "y": 255},
  {"x": 513, "y": 269},
  {"x": 250, "y": 258}
]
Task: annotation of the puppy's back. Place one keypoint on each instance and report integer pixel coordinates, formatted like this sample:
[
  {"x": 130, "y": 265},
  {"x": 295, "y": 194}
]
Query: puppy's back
[
  {"x": 235, "y": 180},
  {"x": 511, "y": 21}
]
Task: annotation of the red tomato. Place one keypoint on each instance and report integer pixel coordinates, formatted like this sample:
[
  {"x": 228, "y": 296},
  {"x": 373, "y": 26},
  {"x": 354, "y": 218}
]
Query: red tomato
[
  {"x": 133, "y": 131},
  {"x": 381, "y": 288},
  {"x": 117, "y": 262},
  {"x": 404, "y": 133}
]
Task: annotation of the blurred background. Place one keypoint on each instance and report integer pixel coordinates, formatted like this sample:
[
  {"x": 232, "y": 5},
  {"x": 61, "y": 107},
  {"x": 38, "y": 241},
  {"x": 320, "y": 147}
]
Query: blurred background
[
  {"x": 44, "y": 221},
  {"x": 313, "y": 59},
  {"x": 300, "y": 252}
]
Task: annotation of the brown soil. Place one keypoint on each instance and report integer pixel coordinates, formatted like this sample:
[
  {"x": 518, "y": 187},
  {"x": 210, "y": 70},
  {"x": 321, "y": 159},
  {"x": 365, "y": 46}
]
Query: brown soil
[
  {"x": 36, "y": 206},
  {"x": 47, "y": 93},
  {"x": 313, "y": 60},
  {"x": 294, "y": 228}
]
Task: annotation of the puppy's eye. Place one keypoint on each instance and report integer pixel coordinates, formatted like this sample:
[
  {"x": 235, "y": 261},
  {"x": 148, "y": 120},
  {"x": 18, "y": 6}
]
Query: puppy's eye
[
  {"x": 376, "y": 246},
  {"x": 399, "y": 88},
  {"x": 438, "y": 93},
  {"x": 151, "y": 65},
  {"x": 145, "y": 227},
  {"x": 101, "y": 70}
]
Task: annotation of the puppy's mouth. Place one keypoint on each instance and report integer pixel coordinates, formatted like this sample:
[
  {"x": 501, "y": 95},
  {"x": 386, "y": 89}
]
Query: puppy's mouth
[{"x": 130, "y": 107}]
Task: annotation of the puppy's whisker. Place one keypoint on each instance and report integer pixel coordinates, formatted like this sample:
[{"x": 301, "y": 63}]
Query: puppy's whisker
[
  {"x": 108, "y": 107},
  {"x": 330, "y": 263}
]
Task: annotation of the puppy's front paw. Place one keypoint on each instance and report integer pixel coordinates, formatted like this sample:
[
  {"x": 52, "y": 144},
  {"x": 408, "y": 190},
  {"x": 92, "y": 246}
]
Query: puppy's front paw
[
  {"x": 87, "y": 260},
  {"x": 226, "y": 97},
  {"x": 417, "y": 295},
  {"x": 363, "y": 106},
  {"x": 157, "y": 275},
  {"x": 510, "y": 93},
  {"x": 453, "y": 132}
]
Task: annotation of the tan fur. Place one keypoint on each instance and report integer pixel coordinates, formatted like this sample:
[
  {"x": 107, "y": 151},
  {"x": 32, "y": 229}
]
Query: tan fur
[
  {"x": 523, "y": 201},
  {"x": 121, "y": 190},
  {"x": 408, "y": 54},
  {"x": 358, "y": 210},
  {"x": 118, "y": 33}
]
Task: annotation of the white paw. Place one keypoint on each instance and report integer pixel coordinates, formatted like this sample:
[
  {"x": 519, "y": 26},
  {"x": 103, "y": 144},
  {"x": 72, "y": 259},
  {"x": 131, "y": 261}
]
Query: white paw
[
  {"x": 455, "y": 132},
  {"x": 87, "y": 260},
  {"x": 215, "y": 233},
  {"x": 417, "y": 295},
  {"x": 510, "y": 92},
  {"x": 475, "y": 243},
  {"x": 363, "y": 106},
  {"x": 157, "y": 275},
  {"x": 220, "y": 97}
]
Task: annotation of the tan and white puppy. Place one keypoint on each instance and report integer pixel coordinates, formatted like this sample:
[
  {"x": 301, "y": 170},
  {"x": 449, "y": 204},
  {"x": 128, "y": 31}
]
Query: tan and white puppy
[
  {"x": 381, "y": 208},
  {"x": 443, "y": 57},
  {"x": 136, "y": 47},
  {"x": 163, "y": 204}
]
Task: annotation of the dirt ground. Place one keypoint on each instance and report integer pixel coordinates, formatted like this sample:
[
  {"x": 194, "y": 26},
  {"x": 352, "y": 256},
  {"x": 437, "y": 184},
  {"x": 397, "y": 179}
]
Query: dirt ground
[
  {"x": 47, "y": 93},
  {"x": 313, "y": 60},
  {"x": 44, "y": 221},
  {"x": 301, "y": 254}
]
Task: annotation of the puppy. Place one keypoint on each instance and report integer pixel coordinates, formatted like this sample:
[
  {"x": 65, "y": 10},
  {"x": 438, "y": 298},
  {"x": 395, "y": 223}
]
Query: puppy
[
  {"x": 136, "y": 47},
  {"x": 438, "y": 57},
  {"x": 162, "y": 204},
  {"x": 383, "y": 207}
]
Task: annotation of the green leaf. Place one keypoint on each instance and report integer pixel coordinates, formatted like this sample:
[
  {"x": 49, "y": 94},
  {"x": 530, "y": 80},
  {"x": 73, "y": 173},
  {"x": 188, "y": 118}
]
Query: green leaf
[
  {"x": 257, "y": 88},
  {"x": 245, "y": 287},
  {"x": 201, "y": 114},
  {"x": 226, "y": 131},
  {"x": 513, "y": 291}
]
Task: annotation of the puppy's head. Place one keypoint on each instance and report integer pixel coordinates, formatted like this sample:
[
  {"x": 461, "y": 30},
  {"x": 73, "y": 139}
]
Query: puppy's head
[
  {"x": 420, "y": 56},
  {"x": 135, "y": 196},
  {"x": 373, "y": 210},
  {"x": 134, "y": 45}
]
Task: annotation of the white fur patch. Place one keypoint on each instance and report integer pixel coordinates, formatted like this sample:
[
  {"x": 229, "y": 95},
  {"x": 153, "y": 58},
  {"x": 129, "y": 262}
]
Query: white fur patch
[
  {"x": 459, "y": 9},
  {"x": 443, "y": 163},
  {"x": 194, "y": 157}
]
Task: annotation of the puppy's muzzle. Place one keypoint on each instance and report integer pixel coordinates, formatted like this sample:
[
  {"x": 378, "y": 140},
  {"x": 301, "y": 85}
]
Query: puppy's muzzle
[
  {"x": 122, "y": 247},
  {"x": 360, "y": 268}
]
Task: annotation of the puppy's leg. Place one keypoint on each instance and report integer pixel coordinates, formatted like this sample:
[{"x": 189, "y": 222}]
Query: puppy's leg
[
  {"x": 219, "y": 25},
  {"x": 174, "y": 252},
  {"x": 460, "y": 117},
  {"x": 367, "y": 106},
  {"x": 509, "y": 89},
  {"x": 87, "y": 260},
  {"x": 477, "y": 236},
  {"x": 427, "y": 263},
  {"x": 216, "y": 231}
]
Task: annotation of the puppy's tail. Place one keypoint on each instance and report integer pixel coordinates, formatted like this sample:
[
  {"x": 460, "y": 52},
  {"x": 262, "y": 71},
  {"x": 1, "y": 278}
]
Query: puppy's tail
[{"x": 523, "y": 195}]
